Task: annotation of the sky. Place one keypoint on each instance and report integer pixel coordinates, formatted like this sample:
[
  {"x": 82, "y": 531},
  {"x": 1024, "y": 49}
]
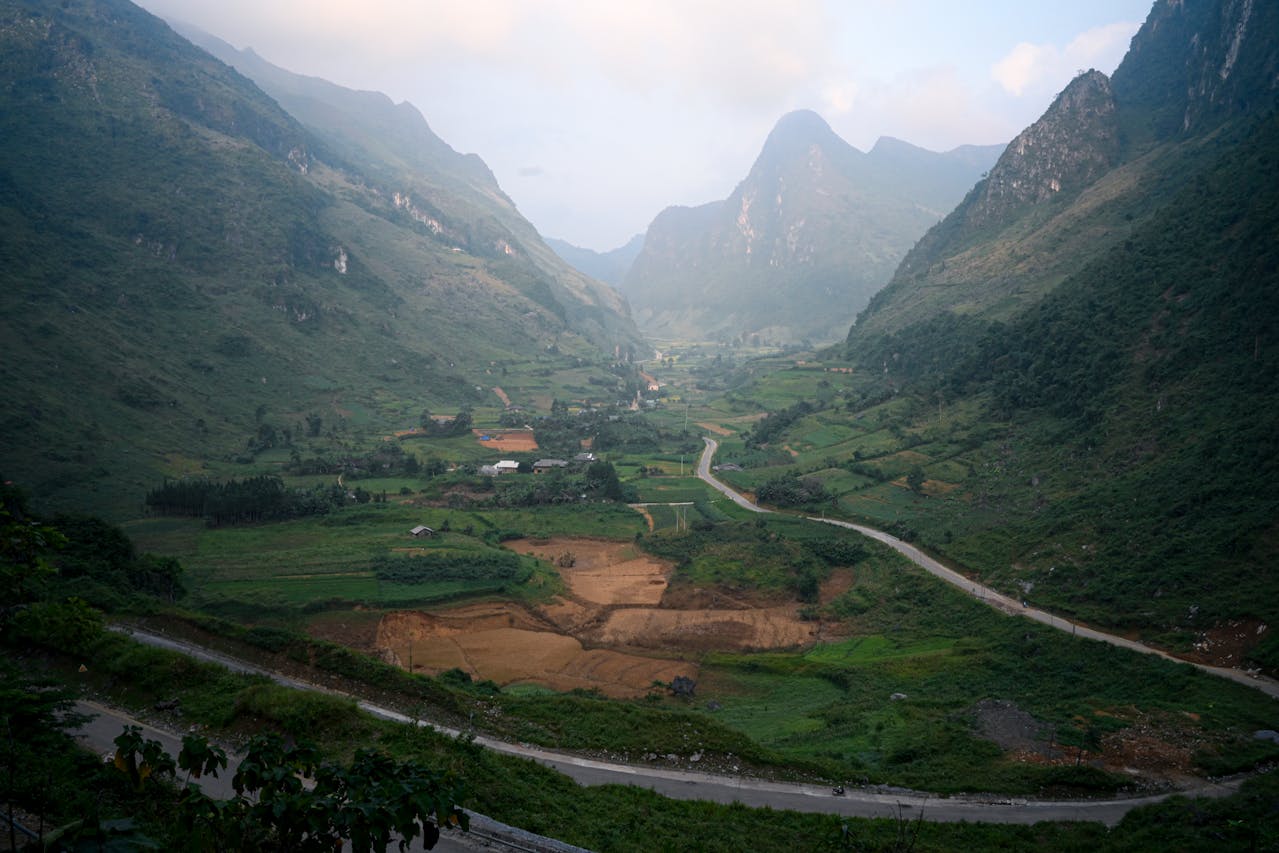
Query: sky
[{"x": 596, "y": 114}]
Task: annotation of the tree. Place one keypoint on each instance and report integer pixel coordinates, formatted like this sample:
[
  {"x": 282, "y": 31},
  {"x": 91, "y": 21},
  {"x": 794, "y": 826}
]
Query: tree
[
  {"x": 369, "y": 802},
  {"x": 35, "y": 715},
  {"x": 915, "y": 480},
  {"x": 24, "y": 546},
  {"x": 601, "y": 476}
]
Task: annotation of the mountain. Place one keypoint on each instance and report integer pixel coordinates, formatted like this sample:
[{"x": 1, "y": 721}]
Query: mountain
[
  {"x": 1105, "y": 306},
  {"x": 799, "y": 247},
  {"x": 609, "y": 267},
  {"x": 189, "y": 269},
  {"x": 454, "y": 195},
  {"x": 1101, "y": 160}
]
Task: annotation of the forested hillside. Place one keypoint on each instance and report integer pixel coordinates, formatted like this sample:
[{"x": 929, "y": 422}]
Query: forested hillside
[
  {"x": 190, "y": 271},
  {"x": 1100, "y": 436},
  {"x": 1140, "y": 399}
]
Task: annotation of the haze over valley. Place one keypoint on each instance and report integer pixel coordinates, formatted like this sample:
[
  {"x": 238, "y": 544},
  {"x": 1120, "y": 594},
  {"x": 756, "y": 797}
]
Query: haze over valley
[{"x": 834, "y": 424}]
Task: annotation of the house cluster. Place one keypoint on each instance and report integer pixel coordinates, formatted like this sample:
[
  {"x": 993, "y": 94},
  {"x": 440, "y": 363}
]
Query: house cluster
[{"x": 541, "y": 466}]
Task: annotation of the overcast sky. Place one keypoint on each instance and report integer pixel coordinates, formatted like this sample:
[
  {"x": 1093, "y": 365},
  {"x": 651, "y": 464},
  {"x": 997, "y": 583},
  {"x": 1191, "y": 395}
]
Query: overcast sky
[{"x": 596, "y": 114}]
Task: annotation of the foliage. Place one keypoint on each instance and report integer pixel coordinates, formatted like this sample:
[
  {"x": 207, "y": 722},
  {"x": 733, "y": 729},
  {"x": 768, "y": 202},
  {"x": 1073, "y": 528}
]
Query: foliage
[
  {"x": 70, "y": 624},
  {"x": 599, "y": 481},
  {"x": 741, "y": 555},
  {"x": 459, "y": 424},
  {"x": 792, "y": 491},
  {"x": 771, "y": 426},
  {"x": 25, "y": 545},
  {"x": 99, "y": 560},
  {"x": 248, "y": 501},
  {"x": 286, "y": 798},
  {"x": 35, "y": 715},
  {"x": 499, "y": 565},
  {"x": 609, "y": 428}
]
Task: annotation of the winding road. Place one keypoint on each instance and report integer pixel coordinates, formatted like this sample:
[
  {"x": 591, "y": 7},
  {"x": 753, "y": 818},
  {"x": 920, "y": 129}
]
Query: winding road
[
  {"x": 869, "y": 802},
  {"x": 995, "y": 599}
]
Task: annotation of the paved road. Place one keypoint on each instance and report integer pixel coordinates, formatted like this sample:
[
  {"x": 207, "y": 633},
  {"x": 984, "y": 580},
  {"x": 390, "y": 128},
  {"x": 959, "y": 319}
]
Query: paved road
[
  {"x": 106, "y": 723},
  {"x": 688, "y": 785},
  {"x": 984, "y": 593}
]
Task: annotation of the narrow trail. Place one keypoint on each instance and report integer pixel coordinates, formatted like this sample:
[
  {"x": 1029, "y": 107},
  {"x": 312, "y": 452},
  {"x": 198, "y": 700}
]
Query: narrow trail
[{"x": 986, "y": 594}]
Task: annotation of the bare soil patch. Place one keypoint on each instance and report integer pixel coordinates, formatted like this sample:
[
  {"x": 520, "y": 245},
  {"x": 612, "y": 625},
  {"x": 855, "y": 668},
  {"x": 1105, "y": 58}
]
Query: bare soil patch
[
  {"x": 501, "y": 395},
  {"x": 617, "y": 630},
  {"x": 513, "y": 440},
  {"x": 1228, "y": 644},
  {"x": 1160, "y": 748},
  {"x": 648, "y": 516},
  {"x": 705, "y": 630},
  {"x": 508, "y": 645},
  {"x": 602, "y": 572},
  {"x": 939, "y": 487},
  {"x": 839, "y": 582},
  {"x": 1012, "y": 729},
  {"x": 715, "y": 428},
  {"x": 356, "y": 629}
]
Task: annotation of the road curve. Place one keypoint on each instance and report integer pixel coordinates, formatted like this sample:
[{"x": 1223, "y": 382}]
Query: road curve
[
  {"x": 876, "y": 801},
  {"x": 995, "y": 599},
  {"x": 105, "y": 723}
]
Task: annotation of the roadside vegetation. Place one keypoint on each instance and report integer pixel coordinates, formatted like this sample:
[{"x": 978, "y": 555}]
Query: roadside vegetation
[{"x": 905, "y": 682}]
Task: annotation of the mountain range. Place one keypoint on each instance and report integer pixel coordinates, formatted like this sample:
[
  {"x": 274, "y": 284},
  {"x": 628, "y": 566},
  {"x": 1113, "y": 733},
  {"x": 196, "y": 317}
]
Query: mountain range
[
  {"x": 187, "y": 258},
  {"x": 609, "y": 267},
  {"x": 814, "y": 229},
  {"x": 1105, "y": 301},
  {"x": 1103, "y": 159}
]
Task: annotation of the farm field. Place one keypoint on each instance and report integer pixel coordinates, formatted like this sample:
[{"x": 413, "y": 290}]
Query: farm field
[{"x": 837, "y": 658}]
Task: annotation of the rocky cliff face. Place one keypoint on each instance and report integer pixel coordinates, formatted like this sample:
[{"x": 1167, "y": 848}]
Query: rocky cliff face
[
  {"x": 814, "y": 228},
  {"x": 1074, "y": 143},
  {"x": 1193, "y": 64},
  {"x": 1084, "y": 176}
]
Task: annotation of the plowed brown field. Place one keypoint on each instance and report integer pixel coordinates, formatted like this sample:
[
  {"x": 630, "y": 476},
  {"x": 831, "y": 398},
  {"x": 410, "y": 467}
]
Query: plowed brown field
[{"x": 596, "y": 635}]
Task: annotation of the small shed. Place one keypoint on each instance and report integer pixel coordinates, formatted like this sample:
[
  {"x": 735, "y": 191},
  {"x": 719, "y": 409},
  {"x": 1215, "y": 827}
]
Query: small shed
[{"x": 420, "y": 531}]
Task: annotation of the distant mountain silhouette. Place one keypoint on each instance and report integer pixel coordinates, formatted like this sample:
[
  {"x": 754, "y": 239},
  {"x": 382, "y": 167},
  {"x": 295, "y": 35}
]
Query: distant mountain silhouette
[
  {"x": 609, "y": 267},
  {"x": 805, "y": 239}
]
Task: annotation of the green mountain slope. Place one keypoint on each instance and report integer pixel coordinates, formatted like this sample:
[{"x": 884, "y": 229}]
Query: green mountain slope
[
  {"x": 1105, "y": 156},
  {"x": 454, "y": 196},
  {"x": 1083, "y": 358},
  {"x": 184, "y": 262},
  {"x": 814, "y": 229},
  {"x": 1142, "y": 395}
]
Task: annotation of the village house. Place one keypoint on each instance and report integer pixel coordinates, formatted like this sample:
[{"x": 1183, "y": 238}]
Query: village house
[
  {"x": 420, "y": 531},
  {"x": 541, "y": 466}
]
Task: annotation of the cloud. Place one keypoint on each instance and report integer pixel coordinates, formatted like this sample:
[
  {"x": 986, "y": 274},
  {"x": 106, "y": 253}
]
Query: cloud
[
  {"x": 839, "y": 97},
  {"x": 1032, "y": 68},
  {"x": 726, "y": 52},
  {"x": 924, "y": 106},
  {"x": 530, "y": 171}
]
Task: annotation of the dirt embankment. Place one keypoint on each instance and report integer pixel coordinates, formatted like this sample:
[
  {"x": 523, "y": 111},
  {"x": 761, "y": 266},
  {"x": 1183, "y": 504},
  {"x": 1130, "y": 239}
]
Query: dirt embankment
[{"x": 614, "y": 631}]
